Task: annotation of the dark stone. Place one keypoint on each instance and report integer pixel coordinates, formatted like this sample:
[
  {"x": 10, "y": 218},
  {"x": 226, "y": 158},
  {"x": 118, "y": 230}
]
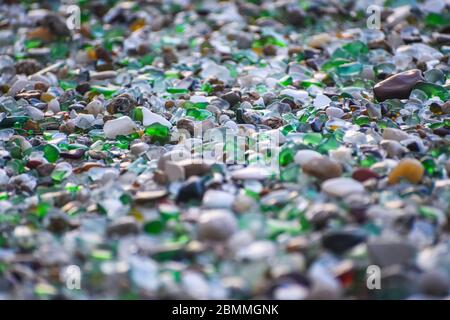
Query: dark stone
[
  {"x": 398, "y": 86},
  {"x": 192, "y": 189},
  {"x": 73, "y": 154},
  {"x": 387, "y": 253},
  {"x": 83, "y": 87},
  {"x": 122, "y": 227},
  {"x": 340, "y": 241},
  {"x": 123, "y": 103},
  {"x": 232, "y": 97},
  {"x": 364, "y": 174},
  {"x": 55, "y": 24},
  {"x": 28, "y": 66}
]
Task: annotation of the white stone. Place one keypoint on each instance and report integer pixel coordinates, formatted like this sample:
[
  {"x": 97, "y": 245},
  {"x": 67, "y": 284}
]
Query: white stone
[
  {"x": 257, "y": 250},
  {"x": 217, "y": 224},
  {"x": 354, "y": 137},
  {"x": 341, "y": 187},
  {"x": 319, "y": 40},
  {"x": 139, "y": 148},
  {"x": 342, "y": 155},
  {"x": 174, "y": 172},
  {"x": 95, "y": 107},
  {"x": 84, "y": 121},
  {"x": 395, "y": 134},
  {"x": 151, "y": 117},
  {"x": 251, "y": 173},
  {"x": 120, "y": 126},
  {"x": 218, "y": 199},
  {"x": 304, "y": 156},
  {"x": 393, "y": 148}
]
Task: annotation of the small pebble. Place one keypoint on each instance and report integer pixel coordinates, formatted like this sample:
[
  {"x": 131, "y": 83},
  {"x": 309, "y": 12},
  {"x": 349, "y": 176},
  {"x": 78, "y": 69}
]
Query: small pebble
[
  {"x": 304, "y": 156},
  {"x": 435, "y": 283},
  {"x": 409, "y": 169},
  {"x": 341, "y": 187},
  {"x": 395, "y": 134},
  {"x": 218, "y": 199},
  {"x": 363, "y": 174},
  {"x": 398, "y": 86},
  {"x": 322, "y": 168},
  {"x": 216, "y": 225}
]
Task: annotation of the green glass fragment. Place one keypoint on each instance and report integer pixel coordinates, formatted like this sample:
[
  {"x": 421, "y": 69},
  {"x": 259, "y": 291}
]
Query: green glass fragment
[
  {"x": 430, "y": 166},
  {"x": 153, "y": 227},
  {"x": 286, "y": 156},
  {"x": 42, "y": 209},
  {"x": 173, "y": 90},
  {"x": 101, "y": 255},
  {"x": 362, "y": 120},
  {"x": 198, "y": 114},
  {"x": 433, "y": 90},
  {"x": 158, "y": 132},
  {"x": 51, "y": 153},
  {"x": 312, "y": 138},
  {"x": 58, "y": 175},
  {"x": 286, "y": 81},
  {"x": 349, "y": 69}
]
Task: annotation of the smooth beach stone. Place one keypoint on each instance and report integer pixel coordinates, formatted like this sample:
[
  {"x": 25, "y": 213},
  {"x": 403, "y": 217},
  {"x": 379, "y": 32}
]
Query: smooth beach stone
[
  {"x": 341, "y": 187},
  {"x": 103, "y": 75},
  {"x": 251, "y": 173},
  {"x": 218, "y": 199},
  {"x": 386, "y": 253},
  {"x": 175, "y": 155},
  {"x": 319, "y": 40},
  {"x": 339, "y": 241},
  {"x": 304, "y": 156},
  {"x": 174, "y": 172},
  {"x": 393, "y": 148},
  {"x": 192, "y": 189},
  {"x": 342, "y": 155},
  {"x": 123, "y": 226},
  {"x": 95, "y": 107},
  {"x": 322, "y": 168},
  {"x": 408, "y": 169},
  {"x": 139, "y": 148},
  {"x": 395, "y": 134},
  {"x": 194, "y": 167},
  {"x": 217, "y": 225},
  {"x": 398, "y": 86},
  {"x": 120, "y": 126},
  {"x": 435, "y": 283},
  {"x": 232, "y": 97},
  {"x": 363, "y": 174}
]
